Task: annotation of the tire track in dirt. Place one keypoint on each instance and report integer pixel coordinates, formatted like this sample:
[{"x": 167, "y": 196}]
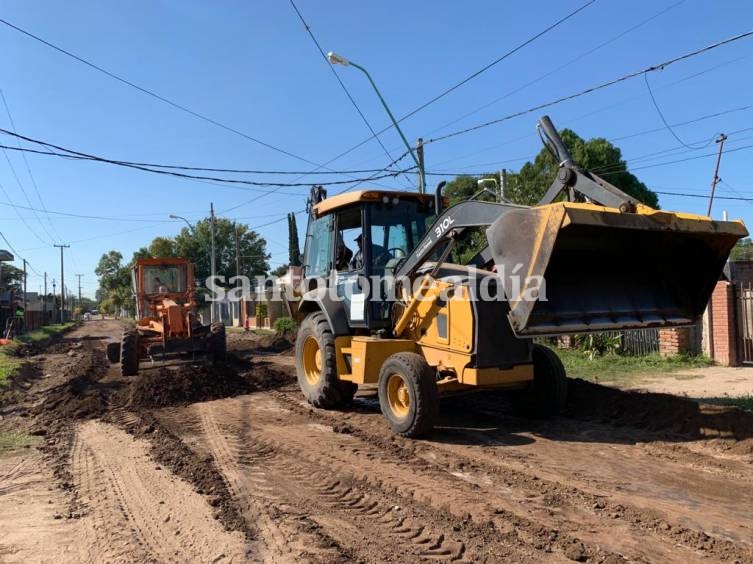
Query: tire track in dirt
[
  {"x": 621, "y": 527},
  {"x": 136, "y": 511},
  {"x": 340, "y": 505},
  {"x": 283, "y": 534},
  {"x": 319, "y": 464}
]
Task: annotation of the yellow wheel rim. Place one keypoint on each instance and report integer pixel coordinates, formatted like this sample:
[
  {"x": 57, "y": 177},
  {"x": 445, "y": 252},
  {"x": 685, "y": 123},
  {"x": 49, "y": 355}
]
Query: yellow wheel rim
[
  {"x": 398, "y": 395},
  {"x": 312, "y": 360}
]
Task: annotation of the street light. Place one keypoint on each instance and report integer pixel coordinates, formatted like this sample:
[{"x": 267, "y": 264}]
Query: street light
[
  {"x": 172, "y": 216},
  {"x": 335, "y": 59}
]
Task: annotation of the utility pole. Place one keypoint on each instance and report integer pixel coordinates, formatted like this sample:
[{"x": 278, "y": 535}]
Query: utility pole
[
  {"x": 62, "y": 283},
  {"x": 720, "y": 140},
  {"x": 53, "y": 301},
  {"x": 44, "y": 301},
  {"x": 421, "y": 167},
  {"x": 212, "y": 309},
  {"x": 25, "y": 303},
  {"x": 238, "y": 271},
  {"x": 502, "y": 184},
  {"x": 79, "y": 288}
]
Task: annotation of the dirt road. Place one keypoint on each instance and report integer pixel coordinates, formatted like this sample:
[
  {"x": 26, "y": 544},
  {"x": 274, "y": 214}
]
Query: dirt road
[{"x": 190, "y": 463}]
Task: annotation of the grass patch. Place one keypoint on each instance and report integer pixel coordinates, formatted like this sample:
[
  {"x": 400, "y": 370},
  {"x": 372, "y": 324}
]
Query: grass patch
[
  {"x": 11, "y": 440},
  {"x": 742, "y": 402},
  {"x": 46, "y": 332},
  {"x": 10, "y": 364},
  {"x": 622, "y": 368}
]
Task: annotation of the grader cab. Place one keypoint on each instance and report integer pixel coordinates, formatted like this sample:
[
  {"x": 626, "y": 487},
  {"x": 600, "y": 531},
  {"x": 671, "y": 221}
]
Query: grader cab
[
  {"x": 382, "y": 304},
  {"x": 166, "y": 319}
]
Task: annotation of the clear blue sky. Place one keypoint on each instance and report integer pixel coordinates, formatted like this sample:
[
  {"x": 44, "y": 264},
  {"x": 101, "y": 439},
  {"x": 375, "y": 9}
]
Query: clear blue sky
[{"x": 252, "y": 66}]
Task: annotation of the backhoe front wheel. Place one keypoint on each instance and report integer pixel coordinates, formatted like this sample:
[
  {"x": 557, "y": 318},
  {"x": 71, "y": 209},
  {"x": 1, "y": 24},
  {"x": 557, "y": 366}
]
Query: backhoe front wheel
[
  {"x": 129, "y": 353},
  {"x": 546, "y": 395},
  {"x": 408, "y": 394},
  {"x": 316, "y": 365}
]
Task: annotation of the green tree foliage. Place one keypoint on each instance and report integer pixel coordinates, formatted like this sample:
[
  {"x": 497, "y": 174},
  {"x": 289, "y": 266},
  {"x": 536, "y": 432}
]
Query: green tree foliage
[
  {"x": 115, "y": 283},
  {"x": 196, "y": 245},
  {"x": 597, "y": 155},
  {"x": 162, "y": 247},
  {"x": 294, "y": 246},
  {"x": 533, "y": 180},
  {"x": 743, "y": 250},
  {"x": 11, "y": 278},
  {"x": 281, "y": 270}
]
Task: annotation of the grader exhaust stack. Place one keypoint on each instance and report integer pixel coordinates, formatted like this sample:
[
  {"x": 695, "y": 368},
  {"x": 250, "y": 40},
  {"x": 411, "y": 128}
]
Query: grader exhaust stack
[{"x": 607, "y": 263}]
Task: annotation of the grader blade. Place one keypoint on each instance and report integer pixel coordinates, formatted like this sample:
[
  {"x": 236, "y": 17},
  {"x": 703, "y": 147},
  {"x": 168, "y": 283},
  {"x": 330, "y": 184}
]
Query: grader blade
[{"x": 604, "y": 269}]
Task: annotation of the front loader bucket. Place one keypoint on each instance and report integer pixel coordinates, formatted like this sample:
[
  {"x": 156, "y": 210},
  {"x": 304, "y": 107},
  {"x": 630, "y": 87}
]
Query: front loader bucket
[{"x": 604, "y": 270}]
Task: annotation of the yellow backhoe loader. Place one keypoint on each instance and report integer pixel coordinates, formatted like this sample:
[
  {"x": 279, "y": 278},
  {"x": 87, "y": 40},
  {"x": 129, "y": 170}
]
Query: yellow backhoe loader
[{"x": 394, "y": 312}]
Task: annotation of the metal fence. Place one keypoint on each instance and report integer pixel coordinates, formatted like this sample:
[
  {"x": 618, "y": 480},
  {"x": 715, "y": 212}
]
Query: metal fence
[{"x": 640, "y": 341}]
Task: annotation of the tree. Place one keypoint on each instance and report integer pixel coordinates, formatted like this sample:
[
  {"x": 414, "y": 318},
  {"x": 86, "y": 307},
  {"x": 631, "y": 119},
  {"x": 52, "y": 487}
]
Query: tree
[
  {"x": 162, "y": 247},
  {"x": 533, "y": 180},
  {"x": 294, "y": 246},
  {"x": 115, "y": 283},
  {"x": 743, "y": 250},
  {"x": 11, "y": 278},
  {"x": 281, "y": 270},
  {"x": 597, "y": 155},
  {"x": 196, "y": 245}
]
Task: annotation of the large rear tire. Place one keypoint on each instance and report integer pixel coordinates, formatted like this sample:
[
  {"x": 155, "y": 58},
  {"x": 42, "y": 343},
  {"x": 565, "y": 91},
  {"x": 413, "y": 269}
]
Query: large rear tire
[
  {"x": 129, "y": 353},
  {"x": 316, "y": 366},
  {"x": 217, "y": 342},
  {"x": 546, "y": 395},
  {"x": 408, "y": 394}
]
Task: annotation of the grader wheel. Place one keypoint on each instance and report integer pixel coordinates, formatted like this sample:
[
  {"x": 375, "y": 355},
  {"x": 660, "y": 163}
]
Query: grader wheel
[
  {"x": 408, "y": 394},
  {"x": 129, "y": 353},
  {"x": 316, "y": 366}
]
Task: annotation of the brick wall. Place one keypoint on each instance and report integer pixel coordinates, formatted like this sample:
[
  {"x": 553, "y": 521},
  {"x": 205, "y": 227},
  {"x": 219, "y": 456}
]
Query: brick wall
[
  {"x": 678, "y": 340},
  {"x": 723, "y": 324}
]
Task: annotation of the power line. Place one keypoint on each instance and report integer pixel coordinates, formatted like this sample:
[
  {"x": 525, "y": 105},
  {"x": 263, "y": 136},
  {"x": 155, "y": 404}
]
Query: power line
[
  {"x": 498, "y": 60},
  {"x": 157, "y": 96},
  {"x": 340, "y": 82},
  {"x": 81, "y": 156},
  {"x": 77, "y": 155},
  {"x": 17, "y": 255},
  {"x": 565, "y": 65},
  {"x": 666, "y": 124},
  {"x": 26, "y": 162},
  {"x": 441, "y": 95},
  {"x": 656, "y": 67}
]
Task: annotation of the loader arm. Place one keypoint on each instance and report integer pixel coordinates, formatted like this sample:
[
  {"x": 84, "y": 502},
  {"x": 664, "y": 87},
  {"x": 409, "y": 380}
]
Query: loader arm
[{"x": 608, "y": 263}]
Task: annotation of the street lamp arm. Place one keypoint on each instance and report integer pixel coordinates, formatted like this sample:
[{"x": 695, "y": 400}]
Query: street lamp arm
[
  {"x": 191, "y": 227},
  {"x": 336, "y": 59},
  {"x": 387, "y": 109}
]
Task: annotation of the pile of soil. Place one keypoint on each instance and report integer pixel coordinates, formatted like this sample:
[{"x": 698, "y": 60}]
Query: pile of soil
[
  {"x": 182, "y": 385},
  {"x": 659, "y": 412},
  {"x": 200, "y": 471},
  {"x": 275, "y": 344},
  {"x": 82, "y": 396}
]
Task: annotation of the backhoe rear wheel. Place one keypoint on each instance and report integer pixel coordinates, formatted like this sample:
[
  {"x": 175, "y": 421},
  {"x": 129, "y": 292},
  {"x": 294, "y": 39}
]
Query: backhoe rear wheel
[
  {"x": 546, "y": 395},
  {"x": 217, "y": 342},
  {"x": 408, "y": 394},
  {"x": 316, "y": 366},
  {"x": 129, "y": 353}
]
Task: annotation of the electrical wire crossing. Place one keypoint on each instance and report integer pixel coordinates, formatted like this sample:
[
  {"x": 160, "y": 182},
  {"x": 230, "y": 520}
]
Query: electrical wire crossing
[
  {"x": 603, "y": 85},
  {"x": 77, "y": 155}
]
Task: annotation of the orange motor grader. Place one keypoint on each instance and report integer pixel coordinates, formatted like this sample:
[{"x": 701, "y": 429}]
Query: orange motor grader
[{"x": 166, "y": 320}]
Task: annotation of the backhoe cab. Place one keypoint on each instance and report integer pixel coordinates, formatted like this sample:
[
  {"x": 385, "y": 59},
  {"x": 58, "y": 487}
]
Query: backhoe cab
[
  {"x": 166, "y": 320},
  {"x": 379, "y": 303}
]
